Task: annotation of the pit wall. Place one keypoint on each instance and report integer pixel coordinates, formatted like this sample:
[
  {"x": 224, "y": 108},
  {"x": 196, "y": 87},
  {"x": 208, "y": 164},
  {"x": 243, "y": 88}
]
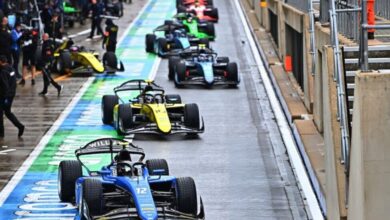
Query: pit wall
[{"x": 311, "y": 109}]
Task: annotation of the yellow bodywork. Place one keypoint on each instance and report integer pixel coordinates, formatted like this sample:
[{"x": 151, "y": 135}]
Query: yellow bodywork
[{"x": 158, "y": 114}]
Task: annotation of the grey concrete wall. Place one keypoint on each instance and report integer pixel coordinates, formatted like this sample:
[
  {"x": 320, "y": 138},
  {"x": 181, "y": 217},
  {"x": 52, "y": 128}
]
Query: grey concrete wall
[{"x": 369, "y": 194}]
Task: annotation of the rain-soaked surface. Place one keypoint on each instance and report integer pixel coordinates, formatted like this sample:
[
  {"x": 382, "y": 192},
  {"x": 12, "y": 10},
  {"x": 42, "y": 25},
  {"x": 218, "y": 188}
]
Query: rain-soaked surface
[{"x": 239, "y": 164}]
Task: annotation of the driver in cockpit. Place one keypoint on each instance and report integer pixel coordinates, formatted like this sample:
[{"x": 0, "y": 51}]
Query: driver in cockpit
[{"x": 123, "y": 157}]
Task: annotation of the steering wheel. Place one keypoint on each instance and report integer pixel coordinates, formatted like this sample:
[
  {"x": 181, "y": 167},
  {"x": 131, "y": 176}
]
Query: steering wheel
[{"x": 158, "y": 98}]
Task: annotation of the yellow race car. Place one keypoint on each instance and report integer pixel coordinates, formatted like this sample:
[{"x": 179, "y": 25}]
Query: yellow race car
[
  {"x": 149, "y": 110},
  {"x": 70, "y": 58}
]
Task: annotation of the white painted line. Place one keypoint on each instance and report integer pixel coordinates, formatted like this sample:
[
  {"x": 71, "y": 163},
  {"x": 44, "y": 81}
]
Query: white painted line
[
  {"x": 41, "y": 145},
  {"x": 4, "y": 152},
  {"x": 84, "y": 32},
  {"x": 285, "y": 130}
]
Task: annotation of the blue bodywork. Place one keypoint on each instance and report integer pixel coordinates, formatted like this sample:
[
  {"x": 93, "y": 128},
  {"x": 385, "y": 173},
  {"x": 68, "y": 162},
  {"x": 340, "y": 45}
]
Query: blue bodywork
[
  {"x": 181, "y": 42},
  {"x": 138, "y": 186}
]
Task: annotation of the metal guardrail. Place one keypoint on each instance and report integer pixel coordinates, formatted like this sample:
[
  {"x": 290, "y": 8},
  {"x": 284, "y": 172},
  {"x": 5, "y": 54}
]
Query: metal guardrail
[{"x": 382, "y": 8}]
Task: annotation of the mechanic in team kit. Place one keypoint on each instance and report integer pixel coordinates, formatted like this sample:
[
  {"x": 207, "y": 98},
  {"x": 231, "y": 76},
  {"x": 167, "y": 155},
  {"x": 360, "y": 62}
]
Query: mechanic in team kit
[
  {"x": 30, "y": 40},
  {"x": 7, "y": 94},
  {"x": 110, "y": 36},
  {"x": 97, "y": 12},
  {"x": 5, "y": 40},
  {"x": 47, "y": 57}
]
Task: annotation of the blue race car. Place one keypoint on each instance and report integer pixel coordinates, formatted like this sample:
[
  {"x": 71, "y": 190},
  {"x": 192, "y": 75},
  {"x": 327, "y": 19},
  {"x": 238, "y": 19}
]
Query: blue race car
[
  {"x": 174, "y": 40},
  {"x": 202, "y": 66},
  {"x": 125, "y": 188}
]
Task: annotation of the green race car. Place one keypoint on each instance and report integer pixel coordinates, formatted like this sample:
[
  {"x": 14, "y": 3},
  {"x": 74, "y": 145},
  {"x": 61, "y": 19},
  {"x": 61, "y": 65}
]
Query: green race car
[{"x": 195, "y": 27}]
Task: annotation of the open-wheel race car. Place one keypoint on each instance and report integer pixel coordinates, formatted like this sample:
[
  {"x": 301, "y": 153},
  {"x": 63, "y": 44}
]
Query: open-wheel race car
[
  {"x": 194, "y": 26},
  {"x": 70, "y": 58},
  {"x": 192, "y": 2},
  {"x": 174, "y": 40},
  {"x": 111, "y": 180},
  {"x": 203, "y": 12},
  {"x": 202, "y": 67},
  {"x": 149, "y": 111}
]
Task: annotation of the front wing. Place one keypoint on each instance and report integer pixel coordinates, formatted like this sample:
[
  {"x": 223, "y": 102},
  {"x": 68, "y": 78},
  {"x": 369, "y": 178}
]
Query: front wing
[{"x": 177, "y": 128}]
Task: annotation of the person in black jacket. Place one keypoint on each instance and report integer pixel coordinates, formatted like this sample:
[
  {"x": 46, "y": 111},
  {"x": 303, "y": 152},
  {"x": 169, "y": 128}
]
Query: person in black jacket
[
  {"x": 5, "y": 40},
  {"x": 29, "y": 40},
  {"x": 54, "y": 28},
  {"x": 110, "y": 36},
  {"x": 48, "y": 48},
  {"x": 97, "y": 11},
  {"x": 7, "y": 94}
]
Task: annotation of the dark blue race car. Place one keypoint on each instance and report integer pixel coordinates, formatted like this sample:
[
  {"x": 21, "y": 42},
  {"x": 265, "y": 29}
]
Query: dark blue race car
[
  {"x": 172, "y": 41},
  {"x": 202, "y": 66},
  {"x": 125, "y": 188}
]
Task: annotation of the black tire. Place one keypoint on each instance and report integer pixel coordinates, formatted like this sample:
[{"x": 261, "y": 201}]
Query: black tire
[
  {"x": 232, "y": 72},
  {"x": 68, "y": 172},
  {"x": 191, "y": 116},
  {"x": 108, "y": 104},
  {"x": 110, "y": 60},
  {"x": 210, "y": 29},
  {"x": 205, "y": 42},
  {"x": 173, "y": 99},
  {"x": 93, "y": 196},
  {"x": 162, "y": 42},
  {"x": 172, "y": 62},
  {"x": 186, "y": 198},
  {"x": 214, "y": 13},
  {"x": 64, "y": 63},
  {"x": 149, "y": 42},
  {"x": 181, "y": 71},
  {"x": 157, "y": 164},
  {"x": 125, "y": 118},
  {"x": 223, "y": 60}
]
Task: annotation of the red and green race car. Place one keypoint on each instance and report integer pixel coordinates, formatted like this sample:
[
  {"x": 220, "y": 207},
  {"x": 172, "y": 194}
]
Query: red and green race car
[{"x": 202, "y": 12}]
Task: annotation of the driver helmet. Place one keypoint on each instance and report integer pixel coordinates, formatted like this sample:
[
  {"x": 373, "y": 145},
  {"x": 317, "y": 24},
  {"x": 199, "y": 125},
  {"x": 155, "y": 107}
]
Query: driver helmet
[
  {"x": 123, "y": 155},
  {"x": 73, "y": 49}
]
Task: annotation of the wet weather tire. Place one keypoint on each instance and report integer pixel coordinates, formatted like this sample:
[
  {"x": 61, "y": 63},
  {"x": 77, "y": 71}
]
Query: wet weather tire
[
  {"x": 108, "y": 104},
  {"x": 157, "y": 165},
  {"x": 191, "y": 116},
  {"x": 149, "y": 42},
  {"x": 64, "y": 63},
  {"x": 93, "y": 196},
  {"x": 173, "y": 99},
  {"x": 110, "y": 60},
  {"x": 186, "y": 198},
  {"x": 125, "y": 118},
  {"x": 68, "y": 172},
  {"x": 232, "y": 71},
  {"x": 180, "y": 73},
  {"x": 172, "y": 62}
]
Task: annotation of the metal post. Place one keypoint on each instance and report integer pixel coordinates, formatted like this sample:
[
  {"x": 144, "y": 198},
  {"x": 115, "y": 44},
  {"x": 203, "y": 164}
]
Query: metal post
[{"x": 364, "y": 38}]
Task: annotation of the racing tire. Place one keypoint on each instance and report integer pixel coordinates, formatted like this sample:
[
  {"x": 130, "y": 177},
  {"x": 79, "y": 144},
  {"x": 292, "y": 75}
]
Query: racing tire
[
  {"x": 232, "y": 72},
  {"x": 214, "y": 13},
  {"x": 64, "y": 63},
  {"x": 149, "y": 42},
  {"x": 125, "y": 118},
  {"x": 172, "y": 62},
  {"x": 93, "y": 196},
  {"x": 108, "y": 104},
  {"x": 173, "y": 99},
  {"x": 210, "y": 29},
  {"x": 180, "y": 73},
  {"x": 68, "y": 172},
  {"x": 205, "y": 42},
  {"x": 186, "y": 198},
  {"x": 163, "y": 44},
  {"x": 156, "y": 165},
  {"x": 110, "y": 59},
  {"x": 191, "y": 116}
]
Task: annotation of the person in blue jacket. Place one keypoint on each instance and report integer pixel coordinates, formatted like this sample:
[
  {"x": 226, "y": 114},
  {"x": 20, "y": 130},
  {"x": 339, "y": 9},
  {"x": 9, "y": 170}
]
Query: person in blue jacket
[{"x": 16, "y": 34}]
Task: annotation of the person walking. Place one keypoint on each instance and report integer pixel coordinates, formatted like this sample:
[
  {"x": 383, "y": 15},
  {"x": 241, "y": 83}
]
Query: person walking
[
  {"x": 110, "y": 36},
  {"x": 7, "y": 94},
  {"x": 5, "y": 40},
  {"x": 30, "y": 46},
  {"x": 16, "y": 34},
  {"x": 97, "y": 11},
  {"x": 47, "y": 57}
]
